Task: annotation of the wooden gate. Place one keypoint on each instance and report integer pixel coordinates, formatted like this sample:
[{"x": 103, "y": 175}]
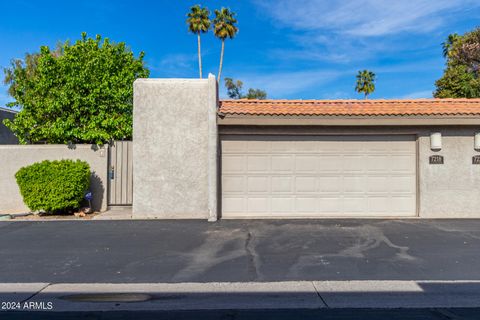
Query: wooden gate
[{"x": 120, "y": 175}]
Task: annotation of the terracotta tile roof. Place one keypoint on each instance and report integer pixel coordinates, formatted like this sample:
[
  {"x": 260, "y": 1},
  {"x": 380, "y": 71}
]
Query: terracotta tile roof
[{"x": 416, "y": 107}]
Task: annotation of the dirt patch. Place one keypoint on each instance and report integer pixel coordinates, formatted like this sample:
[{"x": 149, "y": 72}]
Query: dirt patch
[{"x": 43, "y": 217}]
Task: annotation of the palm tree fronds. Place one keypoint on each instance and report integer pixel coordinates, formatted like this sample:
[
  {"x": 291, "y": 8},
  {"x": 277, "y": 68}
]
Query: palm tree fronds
[
  {"x": 224, "y": 24},
  {"x": 365, "y": 82},
  {"x": 198, "y": 20}
]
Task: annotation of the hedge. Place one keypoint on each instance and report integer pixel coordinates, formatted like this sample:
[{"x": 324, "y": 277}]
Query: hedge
[{"x": 54, "y": 186}]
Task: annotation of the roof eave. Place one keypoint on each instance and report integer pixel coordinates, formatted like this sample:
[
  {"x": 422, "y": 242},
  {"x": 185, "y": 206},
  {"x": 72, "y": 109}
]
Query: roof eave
[
  {"x": 8, "y": 110},
  {"x": 288, "y": 120}
]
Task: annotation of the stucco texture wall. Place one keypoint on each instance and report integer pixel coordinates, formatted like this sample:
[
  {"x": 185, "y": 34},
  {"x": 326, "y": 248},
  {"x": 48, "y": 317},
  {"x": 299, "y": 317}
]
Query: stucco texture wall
[
  {"x": 451, "y": 190},
  {"x": 6, "y": 136},
  {"x": 16, "y": 156},
  {"x": 174, "y": 148}
]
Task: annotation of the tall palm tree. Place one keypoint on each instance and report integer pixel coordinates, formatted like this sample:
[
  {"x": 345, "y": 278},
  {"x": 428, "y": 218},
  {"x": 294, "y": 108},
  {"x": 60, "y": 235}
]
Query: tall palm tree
[
  {"x": 365, "y": 82},
  {"x": 223, "y": 28},
  {"x": 198, "y": 20}
]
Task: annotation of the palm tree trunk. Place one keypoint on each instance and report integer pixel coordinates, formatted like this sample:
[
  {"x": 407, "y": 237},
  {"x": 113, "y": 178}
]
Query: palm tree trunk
[
  {"x": 199, "y": 55},
  {"x": 221, "y": 61}
]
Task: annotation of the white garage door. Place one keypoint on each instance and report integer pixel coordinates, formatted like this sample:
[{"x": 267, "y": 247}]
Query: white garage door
[{"x": 315, "y": 176}]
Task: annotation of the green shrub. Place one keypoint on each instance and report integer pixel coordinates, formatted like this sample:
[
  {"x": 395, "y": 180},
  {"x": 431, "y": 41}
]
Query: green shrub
[{"x": 54, "y": 186}]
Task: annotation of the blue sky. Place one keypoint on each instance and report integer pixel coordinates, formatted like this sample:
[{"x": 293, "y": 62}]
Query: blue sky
[{"x": 294, "y": 49}]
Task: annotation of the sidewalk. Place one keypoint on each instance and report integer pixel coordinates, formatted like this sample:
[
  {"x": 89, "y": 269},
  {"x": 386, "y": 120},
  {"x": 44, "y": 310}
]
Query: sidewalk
[
  {"x": 245, "y": 296},
  {"x": 120, "y": 213}
]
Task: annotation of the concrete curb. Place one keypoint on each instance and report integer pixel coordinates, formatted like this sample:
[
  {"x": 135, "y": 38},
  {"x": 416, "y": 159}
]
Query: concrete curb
[{"x": 246, "y": 295}]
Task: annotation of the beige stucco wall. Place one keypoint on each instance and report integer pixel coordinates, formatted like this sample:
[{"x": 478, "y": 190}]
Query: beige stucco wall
[
  {"x": 13, "y": 157},
  {"x": 175, "y": 148},
  {"x": 451, "y": 190}
]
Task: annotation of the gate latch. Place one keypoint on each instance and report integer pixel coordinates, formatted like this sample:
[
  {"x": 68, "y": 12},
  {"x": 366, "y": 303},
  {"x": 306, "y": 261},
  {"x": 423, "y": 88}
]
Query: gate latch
[{"x": 111, "y": 173}]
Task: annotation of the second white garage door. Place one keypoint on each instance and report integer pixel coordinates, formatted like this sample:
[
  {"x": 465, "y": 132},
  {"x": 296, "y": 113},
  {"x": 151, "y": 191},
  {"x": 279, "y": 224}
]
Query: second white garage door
[{"x": 318, "y": 176}]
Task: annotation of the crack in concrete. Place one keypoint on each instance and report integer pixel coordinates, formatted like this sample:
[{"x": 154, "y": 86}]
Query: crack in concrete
[
  {"x": 319, "y": 295},
  {"x": 253, "y": 258},
  {"x": 36, "y": 293}
]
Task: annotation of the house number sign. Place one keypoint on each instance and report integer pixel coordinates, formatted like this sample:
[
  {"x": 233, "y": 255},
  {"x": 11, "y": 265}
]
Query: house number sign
[
  {"x": 476, "y": 160},
  {"x": 436, "y": 159}
]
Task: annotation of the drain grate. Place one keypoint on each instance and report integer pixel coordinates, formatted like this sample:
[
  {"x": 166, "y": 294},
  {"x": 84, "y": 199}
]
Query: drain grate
[{"x": 107, "y": 297}]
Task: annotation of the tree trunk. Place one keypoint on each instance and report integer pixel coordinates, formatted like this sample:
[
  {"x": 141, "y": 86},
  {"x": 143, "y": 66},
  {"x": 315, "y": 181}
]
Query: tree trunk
[
  {"x": 199, "y": 55},
  {"x": 221, "y": 61}
]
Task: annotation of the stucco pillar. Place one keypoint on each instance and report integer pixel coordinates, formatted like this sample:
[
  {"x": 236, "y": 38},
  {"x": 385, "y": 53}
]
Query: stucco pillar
[{"x": 175, "y": 147}]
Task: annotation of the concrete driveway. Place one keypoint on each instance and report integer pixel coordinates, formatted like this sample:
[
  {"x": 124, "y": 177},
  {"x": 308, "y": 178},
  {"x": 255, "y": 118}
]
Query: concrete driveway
[{"x": 238, "y": 251}]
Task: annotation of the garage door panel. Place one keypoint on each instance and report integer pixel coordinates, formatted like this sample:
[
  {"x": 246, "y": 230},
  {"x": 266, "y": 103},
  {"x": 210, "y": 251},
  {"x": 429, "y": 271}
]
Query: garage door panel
[
  {"x": 306, "y": 184},
  {"x": 304, "y": 147},
  {"x": 329, "y": 163},
  {"x": 302, "y": 176},
  {"x": 258, "y": 205},
  {"x": 354, "y": 163},
  {"x": 234, "y": 146},
  {"x": 345, "y": 147},
  {"x": 402, "y": 147},
  {"x": 233, "y": 205},
  {"x": 233, "y": 164},
  {"x": 282, "y": 204},
  {"x": 330, "y": 205},
  {"x": 283, "y": 164},
  {"x": 402, "y": 205},
  {"x": 282, "y": 184},
  {"x": 330, "y": 184},
  {"x": 353, "y": 204},
  {"x": 402, "y": 184},
  {"x": 355, "y": 184},
  {"x": 378, "y": 204},
  {"x": 403, "y": 164},
  {"x": 305, "y": 205},
  {"x": 257, "y": 184},
  {"x": 258, "y": 147},
  {"x": 378, "y": 163},
  {"x": 378, "y": 184},
  {"x": 257, "y": 163},
  {"x": 280, "y": 147},
  {"x": 234, "y": 184},
  {"x": 306, "y": 163}
]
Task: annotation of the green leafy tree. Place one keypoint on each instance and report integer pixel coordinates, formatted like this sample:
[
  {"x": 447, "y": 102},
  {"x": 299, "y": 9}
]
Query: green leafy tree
[
  {"x": 461, "y": 77},
  {"x": 234, "y": 91},
  {"x": 256, "y": 94},
  {"x": 365, "y": 82},
  {"x": 224, "y": 27},
  {"x": 457, "y": 82},
  {"x": 198, "y": 20},
  {"x": 234, "y": 88},
  {"x": 78, "y": 93}
]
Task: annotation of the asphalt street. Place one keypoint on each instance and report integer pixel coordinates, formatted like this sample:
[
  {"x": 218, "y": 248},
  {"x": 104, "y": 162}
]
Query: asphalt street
[
  {"x": 158, "y": 251},
  {"x": 307, "y": 314}
]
